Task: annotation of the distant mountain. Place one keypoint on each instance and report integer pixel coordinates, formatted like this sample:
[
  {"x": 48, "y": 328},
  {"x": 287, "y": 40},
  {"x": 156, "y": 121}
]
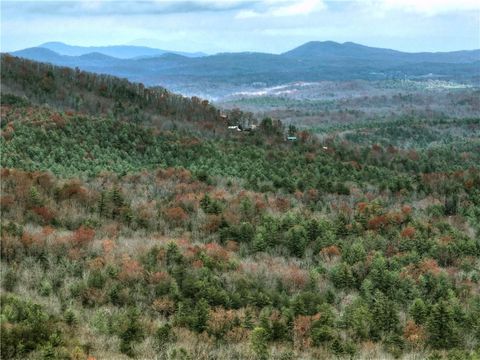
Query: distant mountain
[
  {"x": 96, "y": 61},
  {"x": 39, "y": 54},
  {"x": 117, "y": 51},
  {"x": 217, "y": 75},
  {"x": 349, "y": 50},
  {"x": 334, "y": 49}
]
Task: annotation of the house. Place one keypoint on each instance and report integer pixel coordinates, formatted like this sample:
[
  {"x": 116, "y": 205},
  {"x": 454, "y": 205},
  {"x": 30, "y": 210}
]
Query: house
[
  {"x": 249, "y": 127},
  {"x": 291, "y": 138},
  {"x": 241, "y": 127}
]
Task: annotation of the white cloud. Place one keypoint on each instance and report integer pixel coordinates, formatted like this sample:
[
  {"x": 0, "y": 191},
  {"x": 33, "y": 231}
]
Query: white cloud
[
  {"x": 246, "y": 14},
  {"x": 280, "y": 8},
  {"x": 427, "y": 7},
  {"x": 304, "y": 7}
]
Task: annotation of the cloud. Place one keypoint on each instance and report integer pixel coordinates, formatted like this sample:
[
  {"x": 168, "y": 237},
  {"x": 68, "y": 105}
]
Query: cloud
[
  {"x": 426, "y": 7},
  {"x": 119, "y": 7},
  {"x": 280, "y": 8},
  {"x": 243, "y": 25},
  {"x": 246, "y": 14},
  {"x": 304, "y": 7}
]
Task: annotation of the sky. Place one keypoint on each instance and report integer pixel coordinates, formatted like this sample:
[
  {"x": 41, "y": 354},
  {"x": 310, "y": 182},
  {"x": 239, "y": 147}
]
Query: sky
[{"x": 215, "y": 26}]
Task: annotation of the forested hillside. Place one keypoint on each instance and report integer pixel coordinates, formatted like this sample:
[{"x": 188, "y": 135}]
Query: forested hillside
[
  {"x": 134, "y": 225},
  {"x": 79, "y": 91}
]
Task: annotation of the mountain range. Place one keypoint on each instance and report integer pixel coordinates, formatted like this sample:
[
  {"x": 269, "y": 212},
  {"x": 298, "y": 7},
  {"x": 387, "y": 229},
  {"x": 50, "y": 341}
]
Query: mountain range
[
  {"x": 117, "y": 51},
  {"x": 223, "y": 73}
]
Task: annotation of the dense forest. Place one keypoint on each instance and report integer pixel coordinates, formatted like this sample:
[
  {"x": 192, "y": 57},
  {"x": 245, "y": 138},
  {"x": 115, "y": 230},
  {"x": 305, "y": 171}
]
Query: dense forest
[{"x": 134, "y": 224}]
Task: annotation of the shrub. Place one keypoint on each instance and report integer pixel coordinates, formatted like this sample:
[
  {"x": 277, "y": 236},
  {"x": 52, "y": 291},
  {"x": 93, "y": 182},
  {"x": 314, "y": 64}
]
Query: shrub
[
  {"x": 45, "y": 287},
  {"x": 413, "y": 333},
  {"x": 96, "y": 279},
  {"x": 163, "y": 336},
  {"x": 9, "y": 280},
  {"x": 176, "y": 215},
  {"x": 408, "y": 232},
  {"x": 330, "y": 252},
  {"x": 46, "y": 215},
  {"x": 83, "y": 236}
]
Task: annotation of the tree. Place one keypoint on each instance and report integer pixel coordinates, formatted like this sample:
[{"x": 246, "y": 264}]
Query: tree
[
  {"x": 358, "y": 318},
  {"x": 451, "y": 204},
  {"x": 443, "y": 332},
  {"x": 210, "y": 206},
  {"x": 385, "y": 316},
  {"x": 34, "y": 198},
  {"x": 419, "y": 311},
  {"x": 258, "y": 342},
  {"x": 322, "y": 329},
  {"x": 297, "y": 240},
  {"x": 163, "y": 336},
  {"x": 292, "y": 130},
  {"x": 130, "y": 331},
  {"x": 201, "y": 312},
  {"x": 342, "y": 276},
  {"x": 267, "y": 125}
]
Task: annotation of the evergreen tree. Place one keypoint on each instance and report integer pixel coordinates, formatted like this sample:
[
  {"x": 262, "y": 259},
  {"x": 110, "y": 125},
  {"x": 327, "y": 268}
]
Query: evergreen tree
[
  {"x": 419, "y": 311},
  {"x": 385, "y": 315},
  {"x": 201, "y": 312},
  {"x": 258, "y": 342},
  {"x": 443, "y": 332}
]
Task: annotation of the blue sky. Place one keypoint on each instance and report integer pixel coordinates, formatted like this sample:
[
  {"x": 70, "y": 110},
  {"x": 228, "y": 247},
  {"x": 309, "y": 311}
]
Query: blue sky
[{"x": 269, "y": 26}]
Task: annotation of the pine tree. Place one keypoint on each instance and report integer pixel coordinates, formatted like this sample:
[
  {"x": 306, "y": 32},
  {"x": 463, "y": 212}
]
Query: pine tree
[
  {"x": 442, "y": 329},
  {"x": 102, "y": 203},
  {"x": 248, "y": 319},
  {"x": 34, "y": 198},
  {"x": 258, "y": 342},
  {"x": 419, "y": 311},
  {"x": 385, "y": 316},
  {"x": 117, "y": 197},
  {"x": 201, "y": 315}
]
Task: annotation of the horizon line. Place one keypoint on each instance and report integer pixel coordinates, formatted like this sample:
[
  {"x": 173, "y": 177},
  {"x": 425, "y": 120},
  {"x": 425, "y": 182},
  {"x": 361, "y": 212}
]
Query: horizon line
[{"x": 231, "y": 52}]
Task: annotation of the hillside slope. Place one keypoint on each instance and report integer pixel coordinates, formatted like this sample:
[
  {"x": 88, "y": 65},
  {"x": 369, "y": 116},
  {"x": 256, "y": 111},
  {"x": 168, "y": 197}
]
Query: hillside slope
[
  {"x": 79, "y": 91},
  {"x": 121, "y": 239}
]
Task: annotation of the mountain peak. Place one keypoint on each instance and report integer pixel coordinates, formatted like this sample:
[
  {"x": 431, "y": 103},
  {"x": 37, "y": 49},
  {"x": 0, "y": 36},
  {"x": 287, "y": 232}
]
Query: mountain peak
[
  {"x": 335, "y": 49},
  {"x": 37, "y": 53},
  {"x": 49, "y": 43}
]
